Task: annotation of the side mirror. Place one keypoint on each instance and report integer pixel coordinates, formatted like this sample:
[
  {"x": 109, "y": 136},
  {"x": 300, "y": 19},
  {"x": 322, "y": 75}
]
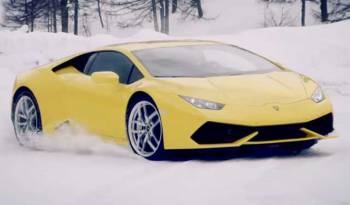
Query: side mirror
[{"x": 105, "y": 77}]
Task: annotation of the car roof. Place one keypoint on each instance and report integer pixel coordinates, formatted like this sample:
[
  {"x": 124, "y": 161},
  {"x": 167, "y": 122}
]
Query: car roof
[{"x": 132, "y": 46}]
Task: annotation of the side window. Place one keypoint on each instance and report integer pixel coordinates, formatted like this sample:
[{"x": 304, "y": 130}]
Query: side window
[
  {"x": 135, "y": 75},
  {"x": 112, "y": 61},
  {"x": 79, "y": 62},
  {"x": 90, "y": 62}
]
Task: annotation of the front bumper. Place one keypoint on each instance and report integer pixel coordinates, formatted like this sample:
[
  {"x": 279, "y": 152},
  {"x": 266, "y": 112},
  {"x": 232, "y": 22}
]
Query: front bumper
[
  {"x": 302, "y": 121},
  {"x": 237, "y": 135}
]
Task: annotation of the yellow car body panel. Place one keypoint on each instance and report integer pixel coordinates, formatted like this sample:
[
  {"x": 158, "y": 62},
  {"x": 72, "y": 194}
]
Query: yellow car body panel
[{"x": 71, "y": 96}]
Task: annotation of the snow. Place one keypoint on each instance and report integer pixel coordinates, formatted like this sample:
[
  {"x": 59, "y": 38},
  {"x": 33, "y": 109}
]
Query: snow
[
  {"x": 224, "y": 17},
  {"x": 71, "y": 168}
]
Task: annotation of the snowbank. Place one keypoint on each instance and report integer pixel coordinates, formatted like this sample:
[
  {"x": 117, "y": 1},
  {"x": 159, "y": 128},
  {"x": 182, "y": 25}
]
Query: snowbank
[{"x": 82, "y": 169}]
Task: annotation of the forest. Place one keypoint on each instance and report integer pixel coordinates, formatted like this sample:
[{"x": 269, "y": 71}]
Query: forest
[{"x": 74, "y": 16}]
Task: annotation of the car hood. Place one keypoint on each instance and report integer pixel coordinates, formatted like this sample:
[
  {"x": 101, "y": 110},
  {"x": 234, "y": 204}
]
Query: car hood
[{"x": 255, "y": 89}]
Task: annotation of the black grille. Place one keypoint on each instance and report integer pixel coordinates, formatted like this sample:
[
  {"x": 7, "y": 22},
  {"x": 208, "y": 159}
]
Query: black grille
[{"x": 216, "y": 133}]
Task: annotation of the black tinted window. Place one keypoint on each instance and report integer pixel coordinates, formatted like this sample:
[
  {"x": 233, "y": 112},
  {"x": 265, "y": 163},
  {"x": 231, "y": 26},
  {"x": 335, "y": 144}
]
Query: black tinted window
[
  {"x": 135, "y": 75},
  {"x": 90, "y": 62},
  {"x": 79, "y": 62},
  {"x": 112, "y": 61}
]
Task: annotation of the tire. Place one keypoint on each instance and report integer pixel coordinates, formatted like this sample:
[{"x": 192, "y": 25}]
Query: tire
[
  {"x": 144, "y": 129},
  {"x": 26, "y": 118}
]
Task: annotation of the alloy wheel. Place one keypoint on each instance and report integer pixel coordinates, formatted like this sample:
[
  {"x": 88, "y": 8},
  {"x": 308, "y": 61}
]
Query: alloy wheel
[
  {"x": 145, "y": 129},
  {"x": 26, "y": 121}
]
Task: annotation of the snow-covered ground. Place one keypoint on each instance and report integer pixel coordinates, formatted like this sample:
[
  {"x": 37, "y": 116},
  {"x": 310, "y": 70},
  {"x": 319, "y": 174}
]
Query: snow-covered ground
[{"x": 80, "y": 169}]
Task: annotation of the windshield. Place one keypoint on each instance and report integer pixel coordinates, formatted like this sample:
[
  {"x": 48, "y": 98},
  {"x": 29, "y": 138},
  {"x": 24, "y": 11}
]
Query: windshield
[{"x": 202, "y": 61}]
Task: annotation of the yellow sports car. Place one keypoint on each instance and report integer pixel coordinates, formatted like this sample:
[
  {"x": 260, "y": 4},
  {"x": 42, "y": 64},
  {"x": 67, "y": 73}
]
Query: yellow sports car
[{"x": 173, "y": 95}]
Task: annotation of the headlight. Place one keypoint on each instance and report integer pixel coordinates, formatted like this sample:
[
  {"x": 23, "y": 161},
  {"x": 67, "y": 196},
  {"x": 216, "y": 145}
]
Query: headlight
[
  {"x": 318, "y": 95},
  {"x": 204, "y": 104}
]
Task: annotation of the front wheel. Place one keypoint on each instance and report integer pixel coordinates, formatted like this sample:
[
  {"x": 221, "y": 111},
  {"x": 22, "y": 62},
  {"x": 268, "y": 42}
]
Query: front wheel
[
  {"x": 145, "y": 130},
  {"x": 26, "y": 119}
]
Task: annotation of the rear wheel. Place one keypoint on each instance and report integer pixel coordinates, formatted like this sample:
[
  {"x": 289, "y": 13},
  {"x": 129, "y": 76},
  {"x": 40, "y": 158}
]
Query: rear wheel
[
  {"x": 26, "y": 119},
  {"x": 145, "y": 130}
]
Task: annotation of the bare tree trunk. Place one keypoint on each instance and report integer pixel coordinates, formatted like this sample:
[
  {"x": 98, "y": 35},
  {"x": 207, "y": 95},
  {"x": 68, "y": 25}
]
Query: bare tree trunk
[
  {"x": 303, "y": 8},
  {"x": 76, "y": 16},
  {"x": 54, "y": 17},
  {"x": 26, "y": 12},
  {"x": 167, "y": 16},
  {"x": 99, "y": 12},
  {"x": 162, "y": 16},
  {"x": 85, "y": 25},
  {"x": 31, "y": 16},
  {"x": 199, "y": 8},
  {"x": 64, "y": 16},
  {"x": 174, "y": 6},
  {"x": 48, "y": 16},
  {"x": 49, "y": 25},
  {"x": 32, "y": 25},
  {"x": 324, "y": 10},
  {"x": 107, "y": 22},
  {"x": 155, "y": 16}
]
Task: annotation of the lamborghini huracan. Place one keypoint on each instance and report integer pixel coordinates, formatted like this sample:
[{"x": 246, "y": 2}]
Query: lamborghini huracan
[{"x": 158, "y": 96}]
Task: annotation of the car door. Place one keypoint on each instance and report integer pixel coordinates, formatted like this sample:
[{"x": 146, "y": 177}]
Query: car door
[{"x": 99, "y": 107}]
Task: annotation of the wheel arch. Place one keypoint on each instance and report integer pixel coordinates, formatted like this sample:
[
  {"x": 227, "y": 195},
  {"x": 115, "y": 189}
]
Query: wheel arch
[
  {"x": 22, "y": 89},
  {"x": 135, "y": 97}
]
